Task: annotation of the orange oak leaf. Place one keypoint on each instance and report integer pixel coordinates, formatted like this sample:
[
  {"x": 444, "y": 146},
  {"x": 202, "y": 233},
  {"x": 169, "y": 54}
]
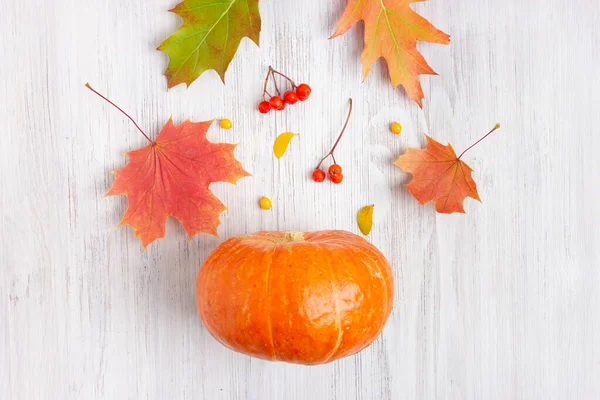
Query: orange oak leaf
[
  {"x": 392, "y": 29},
  {"x": 440, "y": 176},
  {"x": 170, "y": 177}
]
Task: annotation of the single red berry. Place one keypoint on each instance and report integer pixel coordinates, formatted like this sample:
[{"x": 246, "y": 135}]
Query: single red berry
[
  {"x": 335, "y": 170},
  {"x": 303, "y": 91},
  {"x": 337, "y": 178},
  {"x": 264, "y": 107},
  {"x": 290, "y": 97},
  {"x": 276, "y": 103},
  {"x": 318, "y": 175}
]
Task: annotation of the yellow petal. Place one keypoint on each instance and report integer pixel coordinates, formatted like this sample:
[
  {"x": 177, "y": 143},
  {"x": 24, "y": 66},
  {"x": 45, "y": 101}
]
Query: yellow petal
[
  {"x": 365, "y": 219},
  {"x": 281, "y": 143}
]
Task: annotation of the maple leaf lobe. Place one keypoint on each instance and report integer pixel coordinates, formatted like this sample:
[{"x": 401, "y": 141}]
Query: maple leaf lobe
[
  {"x": 171, "y": 177},
  {"x": 392, "y": 29},
  {"x": 209, "y": 37},
  {"x": 438, "y": 176}
]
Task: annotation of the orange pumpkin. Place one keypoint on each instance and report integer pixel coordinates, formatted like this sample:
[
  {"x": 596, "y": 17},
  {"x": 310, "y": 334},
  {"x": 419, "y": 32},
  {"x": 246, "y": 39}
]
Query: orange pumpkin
[{"x": 306, "y": 298}]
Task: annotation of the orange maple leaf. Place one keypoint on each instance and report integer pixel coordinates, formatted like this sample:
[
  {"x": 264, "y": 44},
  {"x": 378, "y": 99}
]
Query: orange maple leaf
[
  {"x": 392, "y": 29},
  {"x": 170, "y": 177},
  {"x": 440, "y": 176}
]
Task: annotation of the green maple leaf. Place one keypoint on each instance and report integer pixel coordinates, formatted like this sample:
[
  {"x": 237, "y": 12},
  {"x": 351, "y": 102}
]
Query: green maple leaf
[{"x": 209, "y": 37}]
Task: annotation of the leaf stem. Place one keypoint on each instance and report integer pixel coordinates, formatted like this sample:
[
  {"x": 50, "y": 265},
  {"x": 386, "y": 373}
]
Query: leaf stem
[
  {"x": 87, "y": 85},
  {"x": 338, "y": 139},
  {"x": 497, "y": 126}
]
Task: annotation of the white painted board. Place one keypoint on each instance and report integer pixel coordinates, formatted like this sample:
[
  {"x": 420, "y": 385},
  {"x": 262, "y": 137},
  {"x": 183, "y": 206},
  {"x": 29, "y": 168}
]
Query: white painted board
[{"x": 500, "y": 303}]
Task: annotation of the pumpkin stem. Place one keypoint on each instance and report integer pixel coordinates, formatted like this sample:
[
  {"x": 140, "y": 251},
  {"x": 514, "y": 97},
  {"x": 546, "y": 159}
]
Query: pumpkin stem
[{"x": 293, "y": 236}]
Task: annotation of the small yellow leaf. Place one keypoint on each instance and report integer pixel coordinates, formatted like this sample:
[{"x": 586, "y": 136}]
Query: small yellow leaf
[
  {"x": 281, "y": 143},
  {"x": 365, "y": 219}
]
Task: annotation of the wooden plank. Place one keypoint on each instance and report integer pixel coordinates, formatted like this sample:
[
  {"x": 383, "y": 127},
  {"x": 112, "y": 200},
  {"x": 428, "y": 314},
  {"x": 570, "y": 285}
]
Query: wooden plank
[{"x": 499, "y": 303}]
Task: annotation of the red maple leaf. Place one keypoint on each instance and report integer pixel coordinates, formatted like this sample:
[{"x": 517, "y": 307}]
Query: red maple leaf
[{"x": 171, "y": 176}]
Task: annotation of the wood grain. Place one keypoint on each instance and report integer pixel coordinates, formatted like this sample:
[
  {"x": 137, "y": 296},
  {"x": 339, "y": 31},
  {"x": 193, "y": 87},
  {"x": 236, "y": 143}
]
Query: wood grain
[{"x": 500, "y": 303}]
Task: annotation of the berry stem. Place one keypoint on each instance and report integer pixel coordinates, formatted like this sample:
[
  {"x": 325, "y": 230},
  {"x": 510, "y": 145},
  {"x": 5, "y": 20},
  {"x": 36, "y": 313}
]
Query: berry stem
[
  {"x": 275, "y": 81},
  {"x": 497, "y": 126},
  {"x": 87, "y": 85},
  {"x": 338, "y": 139},
  {"x": 271, "y": 73},
  {"x": 266, "y": 83},
  {"x": 284, "y": 76}
]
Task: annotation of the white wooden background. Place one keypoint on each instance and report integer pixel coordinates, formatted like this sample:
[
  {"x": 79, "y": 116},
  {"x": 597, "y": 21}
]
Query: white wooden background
[{"x": 500, "y": 303}]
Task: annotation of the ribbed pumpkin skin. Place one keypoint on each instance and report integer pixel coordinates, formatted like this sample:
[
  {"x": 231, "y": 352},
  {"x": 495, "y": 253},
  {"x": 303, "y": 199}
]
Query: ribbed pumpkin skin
[{"x": 306, "y": 298}]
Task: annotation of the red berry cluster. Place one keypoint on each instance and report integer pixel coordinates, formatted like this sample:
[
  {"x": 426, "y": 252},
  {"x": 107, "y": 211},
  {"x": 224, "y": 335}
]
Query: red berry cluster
[
  {"x": 335, "y": 174},
  {"x": 335, "y": 170},
  {"x": 299, "y": 92}
]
